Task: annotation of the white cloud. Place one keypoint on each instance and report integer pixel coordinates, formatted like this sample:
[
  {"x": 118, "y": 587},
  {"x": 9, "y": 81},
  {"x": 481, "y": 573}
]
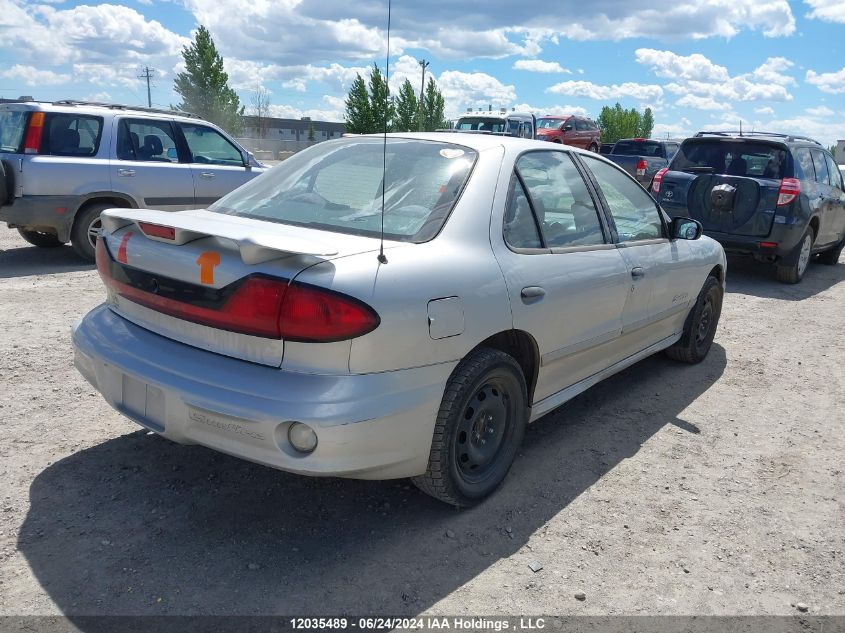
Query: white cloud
[
  {"x": 826, "y": 130},
  {"x": 765, "y": 110},
  {"x": 334, "y": 110},
  {"x": 553, "y": 110},
  {"x": 833, "y": 83},
  {"x": 702, "y": 103},
  {"x": 641, "y": 92},
  {"x": 668, "y": 64},
  {"x": 477, "y": 90},
  {"x": 31, "y": 76},
  {"x": 820, "y": 111},
  {"x": 539, "y": 66},
  {"x": 678, "y": 129},
  {"x": 827, "y": 10}
]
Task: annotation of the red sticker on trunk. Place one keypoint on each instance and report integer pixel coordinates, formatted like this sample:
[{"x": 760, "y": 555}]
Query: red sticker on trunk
[{"x": 121, "y": 251}]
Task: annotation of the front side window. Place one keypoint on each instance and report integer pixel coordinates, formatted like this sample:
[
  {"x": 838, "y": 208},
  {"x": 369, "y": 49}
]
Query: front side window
[
  {"x": 208, "y": 146},
  {"x": 581, "y": 125},
  {"x": 71, "y": 135},
  {"x": 146, "y": 140},
  {"x": 564, "y": 208},
  {"x": 634, "y": 212},
  {"x": 820, "y": 165},
  {"x": 337, "y": 186},
  {"x": 833, "y": 172}
]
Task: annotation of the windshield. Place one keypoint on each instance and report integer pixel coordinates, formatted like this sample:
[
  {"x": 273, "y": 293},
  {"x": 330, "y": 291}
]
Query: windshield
[
  {"x": 549, "y": 124},
  {"x": 734, "y": 157},
  {"x": 481, "y": 124},
  {"x": 12, "y": 126},
  {"x": 337, "y": 186},
  {"x": 638, "y": 148}
]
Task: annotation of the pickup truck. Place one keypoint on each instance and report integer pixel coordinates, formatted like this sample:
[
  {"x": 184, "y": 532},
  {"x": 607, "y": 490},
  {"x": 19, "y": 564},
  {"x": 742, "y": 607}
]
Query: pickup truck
[{"x": 642, "y": 157}]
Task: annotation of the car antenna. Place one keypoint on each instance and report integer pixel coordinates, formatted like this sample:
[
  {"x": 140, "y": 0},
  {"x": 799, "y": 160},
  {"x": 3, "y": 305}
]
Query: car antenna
[{"x": 381, "y": 257}]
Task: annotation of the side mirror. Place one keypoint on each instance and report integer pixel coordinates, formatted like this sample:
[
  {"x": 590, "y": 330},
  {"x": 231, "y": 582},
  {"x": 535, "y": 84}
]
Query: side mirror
[
  {"x": 685, "y": 229},
  {"x": 245, "y": 157}
]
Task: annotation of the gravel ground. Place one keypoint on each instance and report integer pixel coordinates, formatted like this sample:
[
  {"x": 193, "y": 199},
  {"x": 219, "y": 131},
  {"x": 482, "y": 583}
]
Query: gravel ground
[{"x": 667, "y": 489}]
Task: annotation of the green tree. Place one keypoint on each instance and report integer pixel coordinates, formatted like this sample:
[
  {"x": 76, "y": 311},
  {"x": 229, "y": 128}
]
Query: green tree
[
  {"x": 407, "y": 109},
  {"x": 616, "y": 123},
  {"x": 646, "y": 124},
  {"x": 359, "y": 116},
  {"x": 381, "y": 105},
  {"x": 204, "y": 85},
  {"x": 433, "y": 107}
]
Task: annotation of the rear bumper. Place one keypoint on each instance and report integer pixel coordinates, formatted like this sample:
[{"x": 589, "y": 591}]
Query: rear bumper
[
  {"x": 49, "y": 214},
  {"x": 369, "y": 426},
  {"x": 786, "y": 236}
]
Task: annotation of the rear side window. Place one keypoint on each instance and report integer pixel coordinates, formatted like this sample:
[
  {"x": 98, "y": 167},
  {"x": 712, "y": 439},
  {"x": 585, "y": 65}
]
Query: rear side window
[
  {"x": 805, "y": 162},
  {"x": 730, "y": 157},
  {"x": 638, "y": 148},
  {"x": 833, "y": 171},
  {"x": 71, "y": 135},
  {"x": 12, "y": 127},
  {"x": 146, "y": 140},
  {"x": 819, "y": 163}
]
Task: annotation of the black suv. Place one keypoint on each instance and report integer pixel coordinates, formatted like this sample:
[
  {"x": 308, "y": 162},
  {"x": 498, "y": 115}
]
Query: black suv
[{"x": 777, "y": 197}]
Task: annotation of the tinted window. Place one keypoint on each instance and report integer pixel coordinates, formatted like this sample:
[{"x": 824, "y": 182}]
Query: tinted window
[
  {"x": 146, "y": 140},
  {"x": 548, "y": 124},
  {"x": 581, "y": 125},
  {"x": 833, "y": 171},
  {"x": 638, "y": 148},
  {"x": 805, "y": 162},
  {"x": 671, "y": 149},
  {"x": 481, "y": 124},
  {"x": 520, "y": 229},
  {"x": 71, "y": 135},
  {"x": 337, "y": 186},
  {"x": 564, "y": 208},
  {"x": 820, "y": 165},
  {"x": 12, "y": 126},
  {"x": 634, "y": 211},
  {"x": 208, "y": 146},
  {"x": 731, "y": 157}
]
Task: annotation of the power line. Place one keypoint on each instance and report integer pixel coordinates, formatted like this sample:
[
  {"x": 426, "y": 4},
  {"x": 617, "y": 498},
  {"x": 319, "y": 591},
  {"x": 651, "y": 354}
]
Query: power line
[{"x": 148, "y": 74}]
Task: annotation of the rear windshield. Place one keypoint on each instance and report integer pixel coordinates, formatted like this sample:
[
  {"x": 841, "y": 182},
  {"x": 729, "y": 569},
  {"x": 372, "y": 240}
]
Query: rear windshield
[
  {"x": 482, "y": 124},
  {"x": 549, "y": 124},
  {"x": 639, "y": 148},
  {"x": 731, "y": 157},
  {"x": 12, "y": 126},
  {"x": 337, "y": 186}
]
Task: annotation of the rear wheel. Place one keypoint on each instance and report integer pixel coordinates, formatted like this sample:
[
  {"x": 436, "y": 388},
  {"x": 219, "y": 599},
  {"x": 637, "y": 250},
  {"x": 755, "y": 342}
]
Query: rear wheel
[
  {"x": 479, "y": 428},
  {"x": 831, "y": 257},
  {"x": 594, "y": 148},
  {"x": 86, "y": 229},
  {"x": 39, "y": 238},
  {"x": 793, "y": 273},
  {"x": 700, "y": 327}
]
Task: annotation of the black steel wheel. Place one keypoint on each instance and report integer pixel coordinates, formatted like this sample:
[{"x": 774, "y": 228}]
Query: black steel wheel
[{"x": 700, "y": 326}]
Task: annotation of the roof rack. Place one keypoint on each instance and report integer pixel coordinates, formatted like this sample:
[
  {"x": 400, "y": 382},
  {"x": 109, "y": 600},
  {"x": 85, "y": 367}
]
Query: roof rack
[
  {"x": 787, "y": 137},
  {"x": 120, "y": 106}
]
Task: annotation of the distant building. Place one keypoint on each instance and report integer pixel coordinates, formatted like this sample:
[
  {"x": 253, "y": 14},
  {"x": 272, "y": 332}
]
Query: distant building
[
  {"x": 840, "y": 152},
  {"x": 290, "y": 129}
]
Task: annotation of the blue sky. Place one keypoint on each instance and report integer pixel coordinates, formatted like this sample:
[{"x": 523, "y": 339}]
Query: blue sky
[{"x": 699, "y": 64}]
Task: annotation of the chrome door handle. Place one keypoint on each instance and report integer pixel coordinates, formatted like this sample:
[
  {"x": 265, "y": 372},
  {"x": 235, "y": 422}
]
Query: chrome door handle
[
  {"x": 207, "y": 174},
  {"x": 125, "y": 172},
  {"x": 638, "y": 272},
  {"x": 532, "y": 293}
]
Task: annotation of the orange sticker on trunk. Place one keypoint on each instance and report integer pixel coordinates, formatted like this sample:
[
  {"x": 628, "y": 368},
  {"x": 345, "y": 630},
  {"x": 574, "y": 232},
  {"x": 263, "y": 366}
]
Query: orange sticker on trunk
[{"x": 207, "y": 261}]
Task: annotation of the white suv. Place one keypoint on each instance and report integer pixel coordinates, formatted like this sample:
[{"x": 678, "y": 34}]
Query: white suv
[{"x": 62, "y": 163}]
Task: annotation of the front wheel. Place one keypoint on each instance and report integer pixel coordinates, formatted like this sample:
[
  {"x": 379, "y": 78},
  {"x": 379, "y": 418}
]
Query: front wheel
[
  {"x": 793, "y": 273},
  {"x": 40, "y": 239},
  {"x": 831, "y": 256},
  {"x": 594, "y": 148},
  {"x": 479, "y": 428},
  {"x": 700, "y": 327}
]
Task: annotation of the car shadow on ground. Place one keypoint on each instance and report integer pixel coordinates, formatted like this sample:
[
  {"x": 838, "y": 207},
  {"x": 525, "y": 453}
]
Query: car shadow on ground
[
  {"x": 139, "y": 525},
  {"x": 749, "y": 277},
  {"x": 31, "y": 260}
]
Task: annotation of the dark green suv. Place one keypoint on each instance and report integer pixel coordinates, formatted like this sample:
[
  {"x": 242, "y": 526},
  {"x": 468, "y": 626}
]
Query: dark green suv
[{"x": 777, "y": 197}]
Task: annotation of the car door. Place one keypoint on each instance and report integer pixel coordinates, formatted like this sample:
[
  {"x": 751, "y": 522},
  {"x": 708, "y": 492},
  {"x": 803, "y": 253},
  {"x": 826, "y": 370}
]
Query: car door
[
  {"x": 662, "y": 282},
  {"x": 216, "y": 163},
  {"x": 827, "y": 217},
  {"x": 146, "y": 165},
  {"x": 566, "y": 281},
  {"x": 837, "y": 198}
]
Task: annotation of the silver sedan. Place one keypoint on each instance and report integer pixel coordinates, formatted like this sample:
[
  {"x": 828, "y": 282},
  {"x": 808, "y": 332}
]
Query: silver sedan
[{"x": 401, "y": 308}]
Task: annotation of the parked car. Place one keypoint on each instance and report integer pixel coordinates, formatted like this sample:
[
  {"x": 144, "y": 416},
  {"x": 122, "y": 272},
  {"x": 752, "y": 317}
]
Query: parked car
[
  {"x": 776, "y": 197},
  {"x": 62, "y": 163},
  {"x": 502, "y": 123},
  {"x": 643, "y": 157},
  {"x": 514, "y": 275},
  {"x": 577, "y": 131}
]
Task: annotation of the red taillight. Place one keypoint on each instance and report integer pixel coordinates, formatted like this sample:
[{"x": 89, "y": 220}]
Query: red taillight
[
  {"x": 658, "y": 179},
  {"x": 261, "y": 306},
  {"x": 156, "y": 230},
  {"x": 790, "y": 188},
  {"x": 641, "y": 167},
  {"x": 32, "y": 141},
  {"x": 316, "y": 315},
  {"x": 768, "y": 244}
]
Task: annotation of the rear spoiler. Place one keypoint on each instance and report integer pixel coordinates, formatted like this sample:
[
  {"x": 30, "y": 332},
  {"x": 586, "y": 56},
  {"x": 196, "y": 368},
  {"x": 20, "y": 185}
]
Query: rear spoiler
[{"x": 256, "y": 243}]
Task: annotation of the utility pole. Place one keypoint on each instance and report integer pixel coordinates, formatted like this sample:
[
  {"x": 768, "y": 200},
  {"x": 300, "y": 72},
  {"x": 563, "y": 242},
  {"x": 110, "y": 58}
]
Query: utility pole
[
  {"x": 148, "y": 74},
  {"x": 424, "y": 65}
]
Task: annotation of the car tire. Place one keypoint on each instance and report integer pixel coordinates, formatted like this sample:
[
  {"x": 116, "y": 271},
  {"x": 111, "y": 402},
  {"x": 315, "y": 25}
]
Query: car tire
[
  {"x": 594, "y": 148},
  {"x": 831, "y": 256},
  {"x": 485, "y": 400},
  {"x": 794, "y": 272},
  {"x": 700, "y": 326},
  {"x": 85, "y": 227},
  {"x": 40, "y": 239}
]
